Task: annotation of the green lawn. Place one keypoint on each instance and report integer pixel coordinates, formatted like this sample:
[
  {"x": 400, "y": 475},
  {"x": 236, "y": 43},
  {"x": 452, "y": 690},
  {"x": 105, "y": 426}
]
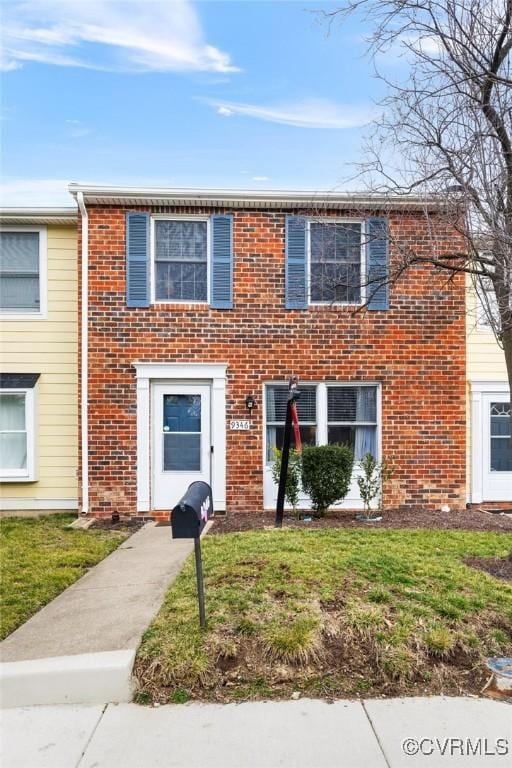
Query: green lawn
[
  {"x": 332, "y": 612},
  {"x": 40, "y": 557}
]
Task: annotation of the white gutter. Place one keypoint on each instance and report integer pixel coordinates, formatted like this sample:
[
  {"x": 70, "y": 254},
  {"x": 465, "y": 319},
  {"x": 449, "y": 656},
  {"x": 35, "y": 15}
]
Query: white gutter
[
  {"x": 84, "y": 356},
  {"x": 100, "y": 194}
]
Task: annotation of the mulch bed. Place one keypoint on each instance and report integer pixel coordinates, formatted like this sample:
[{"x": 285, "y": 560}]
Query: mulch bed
[
  {"x": 467, "y": 519},
  {"x": 499, "y": 567}
]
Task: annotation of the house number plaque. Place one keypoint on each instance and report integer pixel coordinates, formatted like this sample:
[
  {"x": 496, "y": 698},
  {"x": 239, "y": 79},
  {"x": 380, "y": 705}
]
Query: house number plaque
[{"x": 240, "y": 424}]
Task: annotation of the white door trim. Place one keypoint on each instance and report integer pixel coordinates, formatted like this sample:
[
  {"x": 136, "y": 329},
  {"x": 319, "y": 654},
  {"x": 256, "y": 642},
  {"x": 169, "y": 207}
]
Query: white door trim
[
  {"x": 479, "y": 389},
  {"x": 214, "y": 374}
]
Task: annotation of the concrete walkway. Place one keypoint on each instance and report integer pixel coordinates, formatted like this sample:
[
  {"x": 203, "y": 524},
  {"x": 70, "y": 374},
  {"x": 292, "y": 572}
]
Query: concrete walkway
[
  {"x": 80, "y": 647},
  {"x": 393, "y": 733}
]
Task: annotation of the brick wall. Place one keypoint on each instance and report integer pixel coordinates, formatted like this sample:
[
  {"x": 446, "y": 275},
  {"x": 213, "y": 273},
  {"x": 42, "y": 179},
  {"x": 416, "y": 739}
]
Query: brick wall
[{"x": 415, "y": 349}]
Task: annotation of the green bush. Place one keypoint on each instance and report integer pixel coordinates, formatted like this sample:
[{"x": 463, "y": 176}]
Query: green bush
[
  {"x": 326, "y": 473},
  {"x": 292, "y": 488}
]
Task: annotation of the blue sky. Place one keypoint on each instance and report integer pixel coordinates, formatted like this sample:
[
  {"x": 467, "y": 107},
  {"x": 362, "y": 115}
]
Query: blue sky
[{"x": 207, "y": 94}]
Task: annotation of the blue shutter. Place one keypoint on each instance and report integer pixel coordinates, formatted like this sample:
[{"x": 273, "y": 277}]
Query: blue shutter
[
  {"x": 137, "y": 259},
  {"x": 296, "y": 263},
  {"x": 221, "y": 295},
  {"x": 377, "y": 290}
]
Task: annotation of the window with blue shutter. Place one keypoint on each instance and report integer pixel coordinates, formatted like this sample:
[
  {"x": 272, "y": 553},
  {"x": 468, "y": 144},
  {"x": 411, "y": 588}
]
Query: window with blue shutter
[
  {"x": 137, "y": 259},
  {"x": 296, "y": 295},
  {"x": 377, "y": 290},
  {"x": 221, "y": 294}
]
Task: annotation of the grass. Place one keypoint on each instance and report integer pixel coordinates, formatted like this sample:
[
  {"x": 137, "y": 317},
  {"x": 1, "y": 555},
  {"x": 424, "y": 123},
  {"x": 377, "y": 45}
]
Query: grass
[
  {"x": 40, "y": 557},
  {"x": 332, "y": 612}
]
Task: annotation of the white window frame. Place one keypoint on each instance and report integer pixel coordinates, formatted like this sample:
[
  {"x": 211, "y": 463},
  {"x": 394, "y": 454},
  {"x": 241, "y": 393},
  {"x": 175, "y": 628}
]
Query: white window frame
[
  {"x": 9, "y": 314},
  {"x": 322, "y": 423},
  {"x": 28, "y": 474},
  {"x": 328, "y": 220},
  {"x": 152, "y": 242}
]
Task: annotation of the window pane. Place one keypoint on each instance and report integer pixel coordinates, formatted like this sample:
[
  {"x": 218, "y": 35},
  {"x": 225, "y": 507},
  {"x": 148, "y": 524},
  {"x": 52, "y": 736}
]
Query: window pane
[
  {"x": 181, "y": 241},
  {"x": 182, "y": 452},
  {"x": 361, "y": 440},
  {"x": 277, "y": 398},
  {"x": 182, "y": 413},
  {"x": 182, "y": 281},
  {"x": 275, "y": 436},
  {"x": 335, "y": 242},
  {"x": 501, "y": 454},
  {"x": 12, "y": 411},
  {"x": 352, "y": 404},
  {"x": 19, "y": 252},
  {"x": 19, "y": 292},
  {"x": 13, "y": 450}
]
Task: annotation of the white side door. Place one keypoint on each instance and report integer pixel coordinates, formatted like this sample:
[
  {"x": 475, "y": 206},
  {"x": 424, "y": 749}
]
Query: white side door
[
  {"x": 497, "y": 449},
  {"x": 181, "y": 440}
]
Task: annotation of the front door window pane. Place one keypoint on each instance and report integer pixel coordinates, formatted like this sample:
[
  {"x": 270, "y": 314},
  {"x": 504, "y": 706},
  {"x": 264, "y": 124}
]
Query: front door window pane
[
  {"x": 182, "y": 433},
  {"x": 501, "y": 444}
]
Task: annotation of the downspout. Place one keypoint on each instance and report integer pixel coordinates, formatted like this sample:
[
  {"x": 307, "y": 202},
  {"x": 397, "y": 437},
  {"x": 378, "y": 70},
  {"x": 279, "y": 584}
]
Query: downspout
[{"x": 84, "y": 357}]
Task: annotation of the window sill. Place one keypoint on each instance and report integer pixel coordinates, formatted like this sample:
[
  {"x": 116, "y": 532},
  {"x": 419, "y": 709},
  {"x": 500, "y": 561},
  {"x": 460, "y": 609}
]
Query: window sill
[
  {"x": 17, "y": 479},
  {"x": 23, "y": 316}
]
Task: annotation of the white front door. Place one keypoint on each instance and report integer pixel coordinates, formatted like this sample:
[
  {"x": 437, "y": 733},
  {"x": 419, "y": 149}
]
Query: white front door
[
  {"x": 181, "y": 440},
  {"x": 497, "y": 449}
]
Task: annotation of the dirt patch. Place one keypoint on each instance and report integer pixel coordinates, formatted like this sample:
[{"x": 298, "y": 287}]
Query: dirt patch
[
  {"x": 499, "y": 567},
  {"x": 124, "y": 524},
  {"x": 467, "y": 519}
]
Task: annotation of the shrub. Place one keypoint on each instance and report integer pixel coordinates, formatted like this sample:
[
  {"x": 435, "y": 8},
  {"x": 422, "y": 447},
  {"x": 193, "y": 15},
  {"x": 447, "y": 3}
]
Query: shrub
[
  {"x": 370, "y": 482},
  {"x": 292, "y": 488},
  {"x": 326, "y": 473}
]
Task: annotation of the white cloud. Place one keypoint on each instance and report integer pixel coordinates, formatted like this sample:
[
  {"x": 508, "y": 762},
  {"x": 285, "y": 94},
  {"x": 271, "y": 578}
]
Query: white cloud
[
  {"x": 76, "y": 129},
  {"x": 115, "y": 35},
  {"x": 260, "y": 178},
  {"x": 309, "y": 113},
  {"x": 27, "y": 192}
]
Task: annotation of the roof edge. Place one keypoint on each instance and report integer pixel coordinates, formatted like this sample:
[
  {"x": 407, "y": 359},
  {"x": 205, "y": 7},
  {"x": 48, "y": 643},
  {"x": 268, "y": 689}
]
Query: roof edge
[
  {"x": 38, "y": 215},
  {"x": 97, "y": 194}
]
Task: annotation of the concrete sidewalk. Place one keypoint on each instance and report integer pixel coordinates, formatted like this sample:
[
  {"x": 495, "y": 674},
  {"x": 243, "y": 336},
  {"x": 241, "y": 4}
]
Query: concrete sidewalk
[
  {"x": 80, "y": 647},
  {"x": 392, "y": 733}
]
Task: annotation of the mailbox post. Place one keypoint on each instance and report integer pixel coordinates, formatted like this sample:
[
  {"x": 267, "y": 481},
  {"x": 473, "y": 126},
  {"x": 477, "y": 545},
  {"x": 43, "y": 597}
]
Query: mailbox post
[
  {"x": 188, "y": 519},
  {"x": 291, "y": 420}
]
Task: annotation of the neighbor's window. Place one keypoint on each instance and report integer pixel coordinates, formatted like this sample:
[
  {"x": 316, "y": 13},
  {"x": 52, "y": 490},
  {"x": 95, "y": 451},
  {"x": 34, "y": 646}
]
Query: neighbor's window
[
  {"x": 181, "y": 260},
  {"x": 276, "y": 399},
  {"x": 20, "y": 272},
  {"x": 335, "y": 262},
  {"x": 501, "y": 448},
  {"x": 352, "y": 418},
  {"x": 16, "y": 434}
]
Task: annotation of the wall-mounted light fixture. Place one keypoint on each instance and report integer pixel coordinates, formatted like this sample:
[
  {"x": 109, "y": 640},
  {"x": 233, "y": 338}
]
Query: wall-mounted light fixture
[{"x": 250, "y": 402}]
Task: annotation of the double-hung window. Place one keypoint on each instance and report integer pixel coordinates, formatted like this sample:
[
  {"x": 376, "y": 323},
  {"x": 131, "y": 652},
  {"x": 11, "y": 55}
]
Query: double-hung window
[
  {"x": 336, "y": 262},
  {"x": 276, "y": 400},
  {"x": 180, "y": 260},
  {"x": 22, "y": 272},
  {"x": 17, "y": 436}
]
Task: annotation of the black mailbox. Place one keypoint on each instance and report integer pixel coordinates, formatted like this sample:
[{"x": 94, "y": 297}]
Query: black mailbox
[{"x": 192, "y": 511}]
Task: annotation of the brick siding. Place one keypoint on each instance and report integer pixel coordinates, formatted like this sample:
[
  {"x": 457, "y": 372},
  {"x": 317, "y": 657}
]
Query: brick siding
[{"x": 416, "y": 350}]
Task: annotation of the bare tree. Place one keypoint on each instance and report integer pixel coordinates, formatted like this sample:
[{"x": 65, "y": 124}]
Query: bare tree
[{"x": 446, "y": 132}]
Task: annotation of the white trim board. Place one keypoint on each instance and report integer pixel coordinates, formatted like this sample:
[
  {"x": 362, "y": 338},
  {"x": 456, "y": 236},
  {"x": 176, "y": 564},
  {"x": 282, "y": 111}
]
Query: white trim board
[
  {"x": 33, "y": 504},
  {"x": 213, "y": 373}
]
